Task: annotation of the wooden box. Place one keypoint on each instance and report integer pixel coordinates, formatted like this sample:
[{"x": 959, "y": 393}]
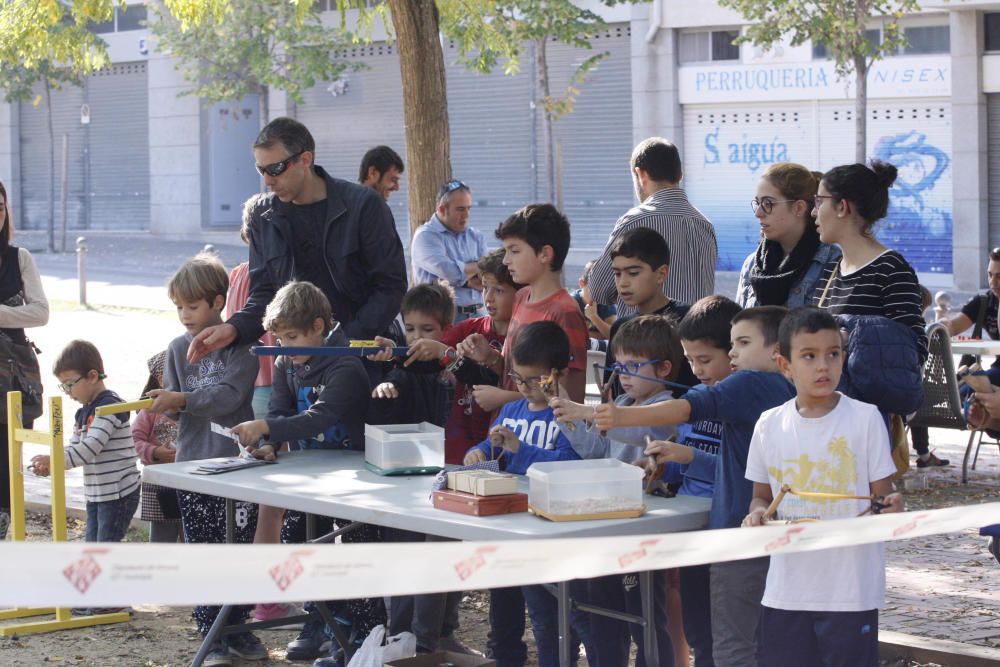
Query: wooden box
[
  {"x": 466, "y": 503},
  {"x": 482, "y": 482}
]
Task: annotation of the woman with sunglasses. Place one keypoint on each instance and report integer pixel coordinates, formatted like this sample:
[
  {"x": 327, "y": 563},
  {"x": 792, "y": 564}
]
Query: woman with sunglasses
[
  {"x": 786, "y": 266},
  {"x": 22, "y": 304}
]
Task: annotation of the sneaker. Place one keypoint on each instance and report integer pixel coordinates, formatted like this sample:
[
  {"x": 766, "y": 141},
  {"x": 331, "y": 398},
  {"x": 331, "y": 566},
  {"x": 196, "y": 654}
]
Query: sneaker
[
  {"x": 311, "y": 643},
  {"x": 218, "y": 656},
  {"x": 455, "y": 646},
  {"x": 246, "y": 646},
  {"x": 932, "y": 461},
  {"x": 273, "y": 612},
  {"x": 335, "y": 660}
]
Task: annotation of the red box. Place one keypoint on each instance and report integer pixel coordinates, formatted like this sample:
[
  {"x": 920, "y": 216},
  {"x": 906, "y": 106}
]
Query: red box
[{"x": 466, "y": 503}]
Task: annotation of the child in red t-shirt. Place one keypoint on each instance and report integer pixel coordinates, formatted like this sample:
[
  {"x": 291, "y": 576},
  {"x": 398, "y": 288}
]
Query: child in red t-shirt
[
  {"x": 535, "y": 241},
  {"x": 468, "y": 423}
]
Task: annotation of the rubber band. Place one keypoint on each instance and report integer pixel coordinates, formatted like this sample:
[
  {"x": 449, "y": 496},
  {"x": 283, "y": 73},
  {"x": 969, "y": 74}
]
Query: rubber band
[{"x": 668, "y": 383}]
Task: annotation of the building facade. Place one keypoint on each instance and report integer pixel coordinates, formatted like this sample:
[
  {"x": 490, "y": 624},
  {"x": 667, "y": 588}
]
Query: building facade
[{"x": 141, "y": 155}]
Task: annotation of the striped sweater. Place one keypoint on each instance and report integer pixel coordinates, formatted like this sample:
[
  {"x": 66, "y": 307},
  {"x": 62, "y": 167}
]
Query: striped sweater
[
  {"x": 885, "y": 286},
  {"x": 104, "y": 447}
]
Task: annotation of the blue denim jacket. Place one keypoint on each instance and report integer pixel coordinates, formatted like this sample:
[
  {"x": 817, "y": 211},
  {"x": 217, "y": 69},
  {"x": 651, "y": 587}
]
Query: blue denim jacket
[{"x": 802, "y": 292}]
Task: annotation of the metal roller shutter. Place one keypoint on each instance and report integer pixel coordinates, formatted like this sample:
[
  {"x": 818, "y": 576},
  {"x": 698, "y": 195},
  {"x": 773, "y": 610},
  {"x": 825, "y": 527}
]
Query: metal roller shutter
[
  {"x": 367, "y": 113},
  {"x": 491, "y": 139},
  {"x": 993, "y": 157},
  {"x": 596, "y": 138},
  {"x": 914, "y": 135},
  {"x": 108, "y": 175},
  {"x": 494, "y": 138},
  {"x": 727, "y": 148}
]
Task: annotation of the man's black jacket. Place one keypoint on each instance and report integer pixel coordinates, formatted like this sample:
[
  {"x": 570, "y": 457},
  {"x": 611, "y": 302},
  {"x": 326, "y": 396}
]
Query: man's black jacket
[{"x": 363, "y": 254}]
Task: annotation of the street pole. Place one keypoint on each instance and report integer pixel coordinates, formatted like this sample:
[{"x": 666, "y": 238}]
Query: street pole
[{"x": 81, "y": 268}]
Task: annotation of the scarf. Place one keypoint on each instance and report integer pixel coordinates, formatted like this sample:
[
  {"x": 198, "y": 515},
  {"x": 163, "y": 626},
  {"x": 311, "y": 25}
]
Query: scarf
[{"x": 773, "y": 273}]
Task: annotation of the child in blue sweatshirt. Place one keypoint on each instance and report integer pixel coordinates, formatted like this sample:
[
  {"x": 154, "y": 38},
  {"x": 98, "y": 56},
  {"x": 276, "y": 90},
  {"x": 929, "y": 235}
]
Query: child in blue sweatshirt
[
  {"x": 646, "y": 348},
  {"x": 691, "y": 459},
  {"x": 523, "y": 433},
  {"x": 738, "y": 401}
]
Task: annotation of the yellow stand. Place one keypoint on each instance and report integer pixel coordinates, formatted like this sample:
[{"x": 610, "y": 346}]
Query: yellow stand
[{"x": 17, "y": 437}]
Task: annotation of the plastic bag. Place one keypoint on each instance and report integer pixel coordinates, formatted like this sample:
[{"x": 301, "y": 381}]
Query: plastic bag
[{"x": 378, "y": 650}]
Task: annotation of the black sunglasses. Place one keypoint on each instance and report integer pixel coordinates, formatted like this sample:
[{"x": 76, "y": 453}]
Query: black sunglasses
[
  {"x": 451, "y": 186},
  {"x": 277, "y": 168}
]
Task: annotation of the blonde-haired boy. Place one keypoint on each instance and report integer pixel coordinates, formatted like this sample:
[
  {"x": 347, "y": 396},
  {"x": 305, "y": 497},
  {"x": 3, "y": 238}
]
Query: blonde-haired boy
[{"x": 216, "y": 389}]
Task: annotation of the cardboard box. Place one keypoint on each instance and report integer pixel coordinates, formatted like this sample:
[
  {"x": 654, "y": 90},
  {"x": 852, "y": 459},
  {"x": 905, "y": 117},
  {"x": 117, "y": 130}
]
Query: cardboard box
[
  {"x": 442, "y": 658},
  {"x": 482, "y": 482},
  {"x": 466, "y": 503}
]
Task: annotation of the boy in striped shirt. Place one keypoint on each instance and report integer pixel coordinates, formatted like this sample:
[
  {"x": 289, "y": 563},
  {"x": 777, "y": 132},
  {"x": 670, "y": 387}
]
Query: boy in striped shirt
[{"x": 102, "y": 445}]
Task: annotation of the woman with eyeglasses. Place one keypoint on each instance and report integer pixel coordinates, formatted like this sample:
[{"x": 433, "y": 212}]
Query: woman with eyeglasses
[
  {"x": 22, "y": 304},
  {"x": 786, "y": 266},
  {"x": 869, "y": 278}
]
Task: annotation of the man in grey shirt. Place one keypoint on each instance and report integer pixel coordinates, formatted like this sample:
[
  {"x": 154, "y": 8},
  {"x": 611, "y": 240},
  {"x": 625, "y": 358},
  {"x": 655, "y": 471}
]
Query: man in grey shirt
[{"x": 664, "y": 208}]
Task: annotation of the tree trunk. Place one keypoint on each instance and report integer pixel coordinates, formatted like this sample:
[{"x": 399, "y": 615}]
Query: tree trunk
[
  {"x": 47, "y": 91},
  {"x": 425, "y": 104},
  {"x": 860, "y": 108},
  {"x": 545, "y": 95}
]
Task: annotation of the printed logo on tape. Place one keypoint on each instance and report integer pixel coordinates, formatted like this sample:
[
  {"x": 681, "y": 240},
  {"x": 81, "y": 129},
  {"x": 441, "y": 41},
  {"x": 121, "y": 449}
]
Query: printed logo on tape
[
  {"x": 630, "y": 557},
  {"x": 467, "y": 567},
  {"x": 909, "y": 526},
  {"x": 284, "y": 574},
  {"x": 784, "y": 540},
  {"x": 82, "y": 573}
]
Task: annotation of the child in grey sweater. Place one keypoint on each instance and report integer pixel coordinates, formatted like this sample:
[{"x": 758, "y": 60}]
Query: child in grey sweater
[{"x": 217, "y": 389}]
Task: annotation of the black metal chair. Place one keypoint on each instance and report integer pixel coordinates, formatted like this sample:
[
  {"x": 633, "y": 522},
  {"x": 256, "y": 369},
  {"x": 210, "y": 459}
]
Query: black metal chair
[{"x": 942, "y": 407}]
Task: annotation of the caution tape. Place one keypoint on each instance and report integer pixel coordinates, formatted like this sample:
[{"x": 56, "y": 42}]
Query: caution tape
[{"x": 104, "y": 575}]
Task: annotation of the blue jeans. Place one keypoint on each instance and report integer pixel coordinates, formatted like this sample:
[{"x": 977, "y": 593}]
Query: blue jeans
[
  {"x": 543, "y": 609},
  {"x": 108, "y": 521},
  {"x": 831, "y": 638}
]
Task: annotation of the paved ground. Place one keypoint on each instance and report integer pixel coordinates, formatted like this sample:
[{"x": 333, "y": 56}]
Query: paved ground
[{"x": 945, "y": 587}]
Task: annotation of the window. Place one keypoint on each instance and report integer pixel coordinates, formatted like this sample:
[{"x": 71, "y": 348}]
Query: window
[
  {"x": 874, "y": 38},
  {"x": 103, "y": 27},
  {"x": 133, "y": 18},
  {"x": 992, "y": 31},
  {"x": 708, "y": 46},
  {"x": 923, "y": 40}
]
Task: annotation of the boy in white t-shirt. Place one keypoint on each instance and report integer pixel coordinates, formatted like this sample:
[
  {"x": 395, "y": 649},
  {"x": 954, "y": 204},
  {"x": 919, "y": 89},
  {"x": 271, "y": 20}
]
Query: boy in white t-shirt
[{"x": 820, "y": 607}]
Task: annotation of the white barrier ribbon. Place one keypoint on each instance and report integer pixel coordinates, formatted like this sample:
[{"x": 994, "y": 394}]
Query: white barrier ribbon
[{"x": 102, "y": 575}]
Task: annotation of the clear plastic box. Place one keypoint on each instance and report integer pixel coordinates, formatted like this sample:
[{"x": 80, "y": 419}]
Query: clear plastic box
[
  {"x": 392, "y": 446},
  {"x": 592, "y": 486}
]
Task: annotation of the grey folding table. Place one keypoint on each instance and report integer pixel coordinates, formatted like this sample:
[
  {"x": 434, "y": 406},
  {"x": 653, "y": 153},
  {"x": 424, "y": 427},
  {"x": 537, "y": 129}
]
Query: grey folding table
[{"x": 336, "y": 484}]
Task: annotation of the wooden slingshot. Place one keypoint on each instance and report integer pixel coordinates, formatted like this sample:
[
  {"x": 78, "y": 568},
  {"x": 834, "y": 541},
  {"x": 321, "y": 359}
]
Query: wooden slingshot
[
  {"x": 876, "y": 507},
  {"x": 550, "y": 389},
  {"x": 654, "y": 471}
]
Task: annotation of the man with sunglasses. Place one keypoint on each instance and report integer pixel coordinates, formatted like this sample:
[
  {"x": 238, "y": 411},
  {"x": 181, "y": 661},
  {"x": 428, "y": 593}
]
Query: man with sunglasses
[
  {"x": 338, "y": 235},
  {"x": 446, "y": 247}
]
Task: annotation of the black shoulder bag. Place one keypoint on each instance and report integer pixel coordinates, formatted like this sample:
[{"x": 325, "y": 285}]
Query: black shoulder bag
[{"x": 19, "y": 369}]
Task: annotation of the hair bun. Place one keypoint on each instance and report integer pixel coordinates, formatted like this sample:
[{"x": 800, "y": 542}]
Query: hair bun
[{"x": 885, "y": 173}]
